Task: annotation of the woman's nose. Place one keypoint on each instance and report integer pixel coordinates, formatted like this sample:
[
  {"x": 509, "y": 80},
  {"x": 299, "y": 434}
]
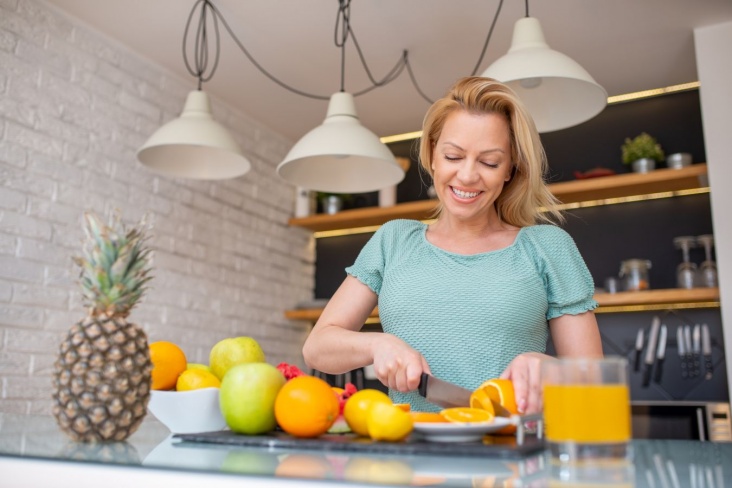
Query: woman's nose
[{"x": 468, "y": 172}]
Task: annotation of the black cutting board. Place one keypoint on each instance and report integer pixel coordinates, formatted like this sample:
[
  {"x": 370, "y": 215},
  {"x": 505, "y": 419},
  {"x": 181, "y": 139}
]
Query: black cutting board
[{"x": 490, "y": 446}]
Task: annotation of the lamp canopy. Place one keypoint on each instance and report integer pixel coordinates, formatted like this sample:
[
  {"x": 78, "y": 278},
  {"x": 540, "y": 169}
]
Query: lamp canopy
[
  {"x": 341, "y": 155},
  {"x": 194, "y": 145},
  {"x": 557, "y": 91}
]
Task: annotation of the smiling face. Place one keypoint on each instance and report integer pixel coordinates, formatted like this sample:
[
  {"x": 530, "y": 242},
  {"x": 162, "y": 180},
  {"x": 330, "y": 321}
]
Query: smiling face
[{"x": 471, "y": 163}]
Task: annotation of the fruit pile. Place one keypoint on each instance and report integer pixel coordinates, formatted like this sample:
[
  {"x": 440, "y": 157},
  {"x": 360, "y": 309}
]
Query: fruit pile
[{"x": 256, "y": 397}]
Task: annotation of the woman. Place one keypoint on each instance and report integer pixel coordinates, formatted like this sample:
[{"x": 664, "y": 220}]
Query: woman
[{"x": 475, "y": 294}]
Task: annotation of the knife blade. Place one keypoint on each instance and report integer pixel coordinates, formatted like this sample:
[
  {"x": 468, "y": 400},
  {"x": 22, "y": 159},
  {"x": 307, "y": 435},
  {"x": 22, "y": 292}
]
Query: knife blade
[
  {"x": 681, "y": 349},
  {"x": 707, "y": 352},
  {"x": 448, "y": 395},
  {"x": 687, "y": 345},
  {"x": 660, "y": 354},
  {"x": 651, "y": 351},
  {"x": 638, "y": 349},
  {"x": 696, "y": 348}
]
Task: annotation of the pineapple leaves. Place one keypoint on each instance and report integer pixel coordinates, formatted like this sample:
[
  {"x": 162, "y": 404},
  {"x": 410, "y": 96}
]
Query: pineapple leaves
[{"x": 115, "y": 265}]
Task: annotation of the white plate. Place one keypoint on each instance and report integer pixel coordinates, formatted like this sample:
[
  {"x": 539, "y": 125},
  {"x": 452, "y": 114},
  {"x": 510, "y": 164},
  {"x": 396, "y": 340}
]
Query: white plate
[{"x": 459, "y": 432}]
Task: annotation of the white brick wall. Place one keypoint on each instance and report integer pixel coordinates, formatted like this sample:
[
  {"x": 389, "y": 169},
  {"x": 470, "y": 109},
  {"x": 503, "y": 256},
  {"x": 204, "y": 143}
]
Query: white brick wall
[{"x": 74, "y": 107}]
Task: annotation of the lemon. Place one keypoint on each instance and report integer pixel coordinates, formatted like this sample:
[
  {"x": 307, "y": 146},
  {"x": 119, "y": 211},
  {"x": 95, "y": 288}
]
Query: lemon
[
  {"x": 195, "y": 379},
  {"x": 357, "y": 407},
  {"x": 198, "y": 366},
  {"x": 388, "y": 422}
]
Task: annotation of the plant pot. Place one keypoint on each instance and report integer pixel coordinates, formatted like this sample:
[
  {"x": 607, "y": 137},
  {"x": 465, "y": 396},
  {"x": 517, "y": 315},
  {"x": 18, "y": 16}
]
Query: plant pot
[
  {"x": 678, "y": 160},
  {"x": 644, "y": 165},
  {"x": 332, "y": 204}
]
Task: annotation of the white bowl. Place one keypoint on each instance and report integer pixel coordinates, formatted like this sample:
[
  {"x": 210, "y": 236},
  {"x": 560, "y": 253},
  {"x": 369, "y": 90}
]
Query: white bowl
[{"x": 187, "y": 412}]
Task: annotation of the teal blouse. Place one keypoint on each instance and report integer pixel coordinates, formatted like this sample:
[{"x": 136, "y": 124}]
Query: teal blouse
[{"x": 470, "y": 315}]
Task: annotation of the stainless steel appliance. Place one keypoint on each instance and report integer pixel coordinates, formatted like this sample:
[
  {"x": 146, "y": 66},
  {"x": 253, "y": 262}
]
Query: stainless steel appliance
[{"x": 705, "y": 421}]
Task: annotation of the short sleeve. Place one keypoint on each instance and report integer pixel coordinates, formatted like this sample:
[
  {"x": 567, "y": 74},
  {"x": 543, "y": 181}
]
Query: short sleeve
[
  {"x": 569, "y": 284},
  {"x": 369, "y": 265}
]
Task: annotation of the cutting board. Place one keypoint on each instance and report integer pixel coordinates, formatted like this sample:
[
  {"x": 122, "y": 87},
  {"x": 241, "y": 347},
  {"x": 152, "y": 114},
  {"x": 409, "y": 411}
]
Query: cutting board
[{"x": 490, "y": 446}]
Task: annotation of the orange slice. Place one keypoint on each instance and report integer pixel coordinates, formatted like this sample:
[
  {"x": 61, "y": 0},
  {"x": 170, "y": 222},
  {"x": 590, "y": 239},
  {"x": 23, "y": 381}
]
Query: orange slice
[
  {"x": 428, "y": 417},
  {"x": 500, "y": 391},
  {"x": 467, "y": 415},
  {"x": 404, "y": 406}
]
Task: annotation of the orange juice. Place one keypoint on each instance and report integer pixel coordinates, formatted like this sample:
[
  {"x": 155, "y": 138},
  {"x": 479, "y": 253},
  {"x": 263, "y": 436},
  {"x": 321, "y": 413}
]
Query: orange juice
[{"x": 587, "y": 413}]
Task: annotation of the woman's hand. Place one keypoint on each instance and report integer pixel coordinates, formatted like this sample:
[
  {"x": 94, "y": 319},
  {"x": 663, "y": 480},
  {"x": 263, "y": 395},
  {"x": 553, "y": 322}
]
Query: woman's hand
[
  {"x": 397, "y": 364},
  {"x": 525, "y": 374}
]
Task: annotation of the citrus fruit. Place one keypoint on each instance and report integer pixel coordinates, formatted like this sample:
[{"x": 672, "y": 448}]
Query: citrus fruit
[
  {"x": 232, "y": 351},
  {"x": 500, "y": 391},
  {"x": 427, "y": 417},
  {"x": 247, "y": 397},
  {"x": 306, "y": 406},
  {"x": 198, "y": 366},
  {"x": 357, "y": 406},
  {"x": 404, "y": 406},
  {"x": 168, "y": 361},
  {"x": 195, "y": 379},
  {"x": 467, "y": 415},
  {"x": 386, "y": 422}
]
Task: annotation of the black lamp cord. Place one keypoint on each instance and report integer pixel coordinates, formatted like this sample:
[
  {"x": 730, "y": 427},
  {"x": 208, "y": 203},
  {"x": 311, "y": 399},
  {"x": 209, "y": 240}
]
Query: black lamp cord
[{"x": 342, "y": 32}]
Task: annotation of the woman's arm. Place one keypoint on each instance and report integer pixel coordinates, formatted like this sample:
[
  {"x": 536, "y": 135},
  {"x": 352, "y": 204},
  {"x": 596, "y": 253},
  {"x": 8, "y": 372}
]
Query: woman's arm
[
  {"x": 573, "y": 336},
  {"x": 336, "y": 346}
]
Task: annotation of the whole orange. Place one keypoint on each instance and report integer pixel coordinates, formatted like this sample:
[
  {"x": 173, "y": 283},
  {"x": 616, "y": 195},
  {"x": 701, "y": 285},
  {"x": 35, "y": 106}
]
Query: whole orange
[
  {"x": 306, "y": 406},
  {"x": 169, "y": 361}
]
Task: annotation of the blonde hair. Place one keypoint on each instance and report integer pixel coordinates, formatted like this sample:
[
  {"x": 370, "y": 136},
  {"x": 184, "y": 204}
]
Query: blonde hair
[{"x": 525, "y": 199}]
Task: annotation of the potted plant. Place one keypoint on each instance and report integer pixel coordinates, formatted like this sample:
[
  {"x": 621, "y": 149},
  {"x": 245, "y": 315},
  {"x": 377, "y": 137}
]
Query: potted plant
[{"x": 642, "y": 152}]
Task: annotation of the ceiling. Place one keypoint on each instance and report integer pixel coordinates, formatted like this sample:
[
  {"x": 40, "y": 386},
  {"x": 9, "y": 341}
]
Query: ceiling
[{"x": 626, "y": 45}]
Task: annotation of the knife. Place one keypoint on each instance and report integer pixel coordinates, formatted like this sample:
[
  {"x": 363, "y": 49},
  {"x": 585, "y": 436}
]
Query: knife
[
  {"x": 707, "y": 352},
  {"x": 687, "y": 345},
  {"x": 681, "y": 350},
  {"x": 449, "y": 395},
  {"x": 696, "y": 348},
  {"x": 660, "y": 354},
  {"x": 651, "y": 351},
  {"x": 638, "y": 349}
]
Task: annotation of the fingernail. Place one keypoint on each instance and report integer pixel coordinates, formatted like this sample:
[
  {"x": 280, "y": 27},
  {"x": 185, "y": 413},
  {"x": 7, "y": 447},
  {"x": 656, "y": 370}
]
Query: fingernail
[{"x": 521, "y": 406}]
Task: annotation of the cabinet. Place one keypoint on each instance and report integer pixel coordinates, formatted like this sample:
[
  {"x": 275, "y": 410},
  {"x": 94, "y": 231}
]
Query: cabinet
[{"x": 573, "y": 194}]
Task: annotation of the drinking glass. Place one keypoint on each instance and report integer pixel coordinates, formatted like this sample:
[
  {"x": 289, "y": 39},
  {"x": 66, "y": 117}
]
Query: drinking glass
[{"x": 587, "y": 409}]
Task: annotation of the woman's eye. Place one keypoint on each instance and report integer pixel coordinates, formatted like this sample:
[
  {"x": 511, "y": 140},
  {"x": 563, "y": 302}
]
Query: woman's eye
[
  {"x": 452, "y": 158},
  {"x": 489, "y": 164}
]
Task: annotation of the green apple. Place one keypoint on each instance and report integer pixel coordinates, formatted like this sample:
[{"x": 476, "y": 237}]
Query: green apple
[
  {"x": 247, "y": 396},
  {"x": 232, "y": 351}
]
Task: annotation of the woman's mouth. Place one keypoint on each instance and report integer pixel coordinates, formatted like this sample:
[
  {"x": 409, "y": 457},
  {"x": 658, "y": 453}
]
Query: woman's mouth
[{"x": 464, "y": 194}]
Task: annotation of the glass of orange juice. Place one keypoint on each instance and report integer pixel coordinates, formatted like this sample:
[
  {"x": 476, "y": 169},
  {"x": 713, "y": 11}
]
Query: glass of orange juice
[{"x": 587, "y": 408}]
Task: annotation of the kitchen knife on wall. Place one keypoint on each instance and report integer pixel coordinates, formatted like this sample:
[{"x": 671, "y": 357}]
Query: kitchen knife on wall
[
  {"x": 638, "y": 349},
  {"x": 681, "y": 349},
  {"x": 448, "y": 395},
  {"x": 706, "y": 341},
  {"x": 696, "y": 348},
  {"x": 651, "y": 351},
  {"x": 660, "y": 354},
  {"x": 687, "y": 346}
]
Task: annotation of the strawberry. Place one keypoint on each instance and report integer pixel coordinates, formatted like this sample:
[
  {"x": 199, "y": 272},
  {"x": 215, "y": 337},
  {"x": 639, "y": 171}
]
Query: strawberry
[
  {"x": 290, "y": 371},
  {"x": 349, "y": 390}
]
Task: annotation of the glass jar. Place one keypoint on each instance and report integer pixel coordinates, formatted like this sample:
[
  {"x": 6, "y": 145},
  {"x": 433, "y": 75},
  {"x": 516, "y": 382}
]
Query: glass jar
[{"x": 634, "y": 274}]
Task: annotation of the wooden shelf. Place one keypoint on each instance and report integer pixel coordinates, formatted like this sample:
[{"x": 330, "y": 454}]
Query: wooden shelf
[
  {"x": 623, "y": 185},
  {"x": 653, "y": 299}
]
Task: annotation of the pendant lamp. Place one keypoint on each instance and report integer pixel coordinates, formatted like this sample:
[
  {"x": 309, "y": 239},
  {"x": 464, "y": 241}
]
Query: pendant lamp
[
  {"x": 194, "y": 145},
  {"x": 341, "y": 155},
  {"x": 557, "y": 91}
]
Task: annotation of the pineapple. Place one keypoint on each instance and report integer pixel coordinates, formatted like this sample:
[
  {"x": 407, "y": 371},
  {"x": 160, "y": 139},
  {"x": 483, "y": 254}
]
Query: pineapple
[{"x": 102, "y": 375}]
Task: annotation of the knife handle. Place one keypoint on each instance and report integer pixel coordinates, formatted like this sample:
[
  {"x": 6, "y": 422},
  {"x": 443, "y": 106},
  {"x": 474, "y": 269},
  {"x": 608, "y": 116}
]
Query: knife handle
[
  {"x": 658, "y": 371},
  {"x": 647, "y": 375},
  {"x": 637, "y": 364},
  {"x": 422, "y": 388}
]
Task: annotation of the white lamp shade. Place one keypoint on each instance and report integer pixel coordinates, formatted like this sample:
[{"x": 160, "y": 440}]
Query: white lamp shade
[
  {"x": 557, "y": 91},
  {"x": 194, "y": 145},
  {"x": 341, "y": 155}
]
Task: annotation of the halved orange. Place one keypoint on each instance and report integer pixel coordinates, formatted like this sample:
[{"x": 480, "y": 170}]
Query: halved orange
[
  {"x": 467, "y": 415},
  {"x": 500, "y": 391},
  {"x": 428, "y": 417}
]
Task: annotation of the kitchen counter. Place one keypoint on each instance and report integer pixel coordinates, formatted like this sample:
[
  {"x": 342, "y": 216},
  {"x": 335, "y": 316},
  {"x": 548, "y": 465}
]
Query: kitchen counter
[{"x": 34, "y": 452}]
